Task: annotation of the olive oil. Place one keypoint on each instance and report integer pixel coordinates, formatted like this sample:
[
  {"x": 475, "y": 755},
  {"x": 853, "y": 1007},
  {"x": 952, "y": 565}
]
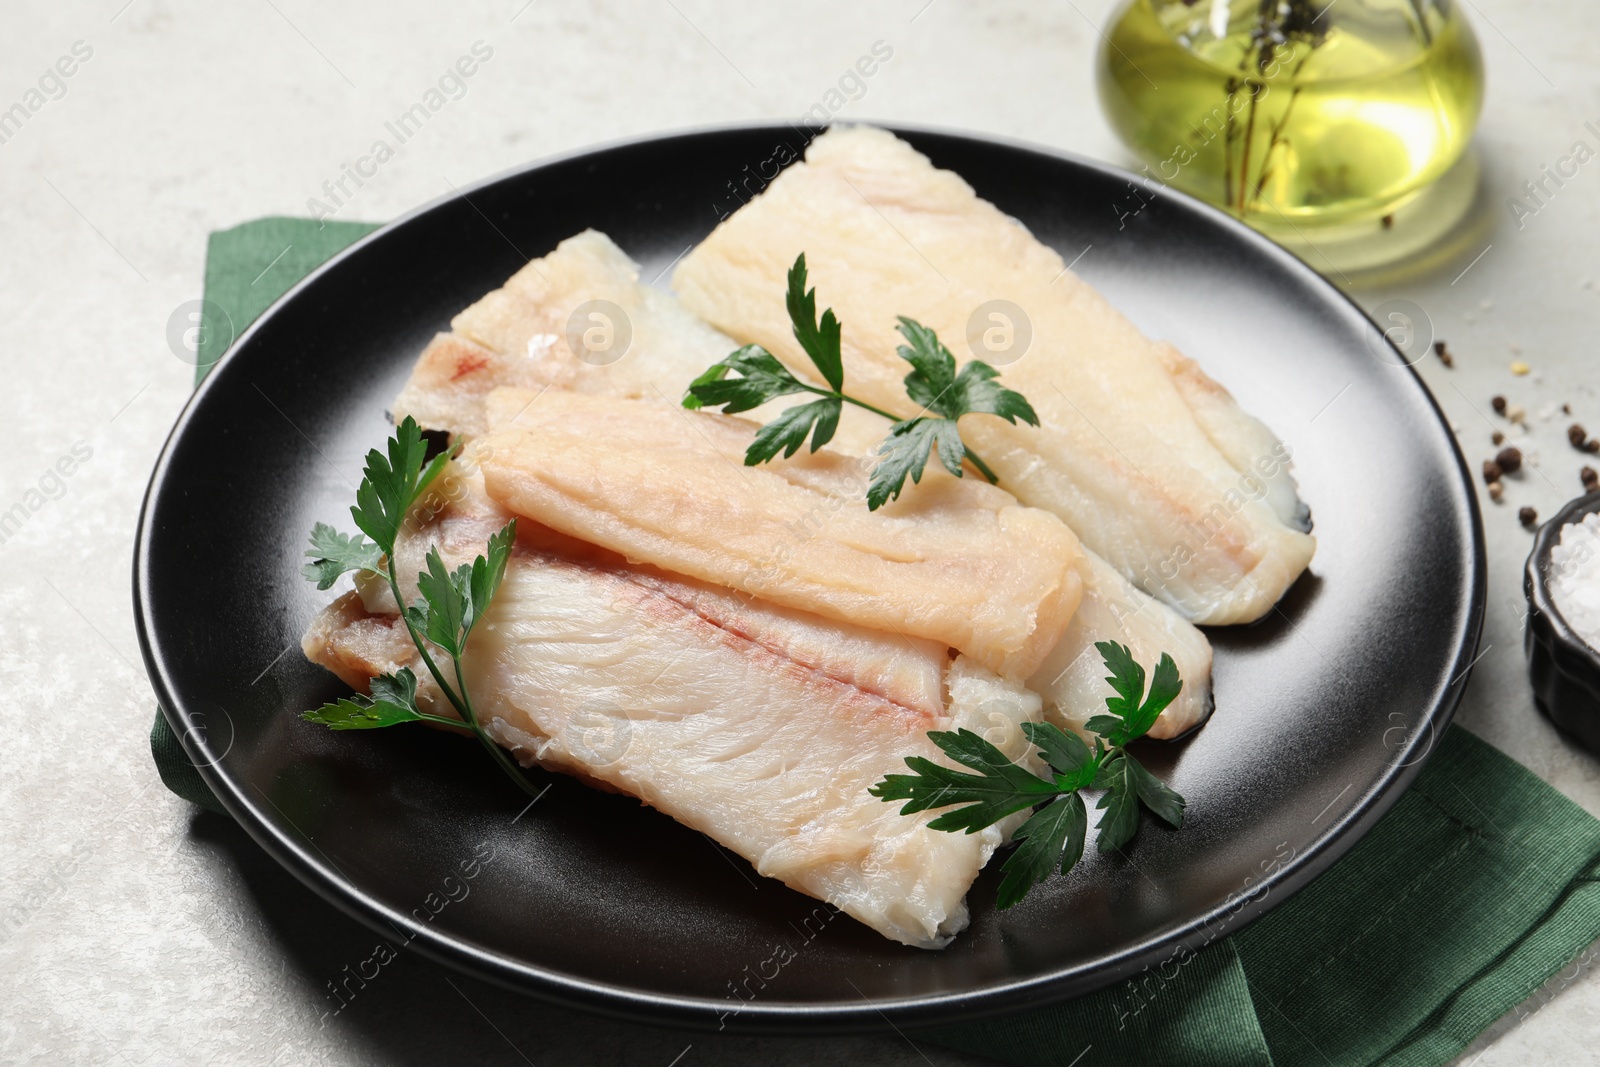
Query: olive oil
[{"x": 1295, "y": 115}]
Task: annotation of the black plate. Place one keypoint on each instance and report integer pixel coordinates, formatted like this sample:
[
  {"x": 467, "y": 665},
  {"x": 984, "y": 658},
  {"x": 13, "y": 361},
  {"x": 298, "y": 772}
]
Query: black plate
[{"x": 1325, "y": 710}]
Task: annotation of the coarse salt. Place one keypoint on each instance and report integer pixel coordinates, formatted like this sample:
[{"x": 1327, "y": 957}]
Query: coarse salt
[{"x": 1574, "y": 578}]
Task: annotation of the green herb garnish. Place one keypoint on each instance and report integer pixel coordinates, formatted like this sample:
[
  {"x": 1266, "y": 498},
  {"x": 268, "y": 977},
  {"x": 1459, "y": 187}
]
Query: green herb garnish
[
  {"x": 1053, "y": 836},
  {"x": 452, "y": 602},
  {"x": 933, "y": 383}
]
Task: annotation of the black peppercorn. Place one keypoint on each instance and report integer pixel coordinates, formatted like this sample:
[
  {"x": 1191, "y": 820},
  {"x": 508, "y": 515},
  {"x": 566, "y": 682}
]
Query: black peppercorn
[
  {"x": 1509, "y": 459},
  {"x": 1499, "y": 404},
  {"x": 1528, "y": 517}
]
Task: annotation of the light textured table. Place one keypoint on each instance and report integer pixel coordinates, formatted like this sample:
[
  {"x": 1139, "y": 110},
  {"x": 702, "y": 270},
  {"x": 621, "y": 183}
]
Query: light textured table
[{"x": 132, "y": 930}]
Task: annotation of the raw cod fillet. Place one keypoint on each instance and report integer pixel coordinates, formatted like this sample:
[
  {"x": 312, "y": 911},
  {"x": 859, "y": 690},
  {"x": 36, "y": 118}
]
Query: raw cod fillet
[
  {"x": 1150, "y": 462},
  {"x": 450, "y": 385},
  {"x": 519, "y": 335},
  {"x": 955, "y": 560},
  {"x": 759, "y": 726}
]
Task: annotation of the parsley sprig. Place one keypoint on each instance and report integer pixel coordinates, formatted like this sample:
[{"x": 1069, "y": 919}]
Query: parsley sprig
[
  {"x": 933, "y": 383},
  {"x": 451, "y": 605},
  {"x": 1053, "y": 836}
]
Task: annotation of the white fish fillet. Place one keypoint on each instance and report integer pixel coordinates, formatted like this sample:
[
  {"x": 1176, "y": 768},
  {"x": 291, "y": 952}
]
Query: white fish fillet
[
  {"x": 955, "y": 560},
  {"x": 519, "y": 335},
  {"x": 1246, "y": 442},
  {"x": 452, "y": 380},
  {"x": 1150, "y": 466},
  {"x": 761, "y": 727}
]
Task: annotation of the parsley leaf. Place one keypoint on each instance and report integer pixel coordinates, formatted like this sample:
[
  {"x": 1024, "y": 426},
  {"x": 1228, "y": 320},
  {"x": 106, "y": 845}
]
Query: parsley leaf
[
  {"x": 391, "y": 484},
  {"x": 333, "y": 553},
  {"x": 1130, "y": 719},
  {"x": 1000, "y": 788},
  {"x": 1053, "y": 836},
  {"x": 358, "y": 713},
  {"x": 905, "y": 451},
  {"x": 1127, "y": 783},
  {"x": 397, "y": 688},
  {"x": 1162, "y": 800},
  {"x": 1120, "y": 802},
  {"x": 933, "y": 383},
  {"x": 1065, "y": 753},
  {"x": 820, "y": 341},
  {"x": 787, "y": 432},
  {"x": 453, "y": 602},
  {"x": 394, "y": 700},
  {"x": 762, "y": 378},
  {"x": 1051, "y": 839}
]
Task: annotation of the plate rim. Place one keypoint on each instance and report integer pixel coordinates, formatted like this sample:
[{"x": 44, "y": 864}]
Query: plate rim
[{"x": 693, "y": 1012}]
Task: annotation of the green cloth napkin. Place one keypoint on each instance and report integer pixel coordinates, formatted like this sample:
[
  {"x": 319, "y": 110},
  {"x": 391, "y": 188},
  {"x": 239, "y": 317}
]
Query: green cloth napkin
[
  {"x": 250, "y": 266},
  {"x": 1480, "y": 884}
]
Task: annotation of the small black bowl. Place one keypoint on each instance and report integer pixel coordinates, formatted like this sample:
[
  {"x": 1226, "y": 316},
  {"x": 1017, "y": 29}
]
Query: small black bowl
[{"x": 1565, "y": 671}]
